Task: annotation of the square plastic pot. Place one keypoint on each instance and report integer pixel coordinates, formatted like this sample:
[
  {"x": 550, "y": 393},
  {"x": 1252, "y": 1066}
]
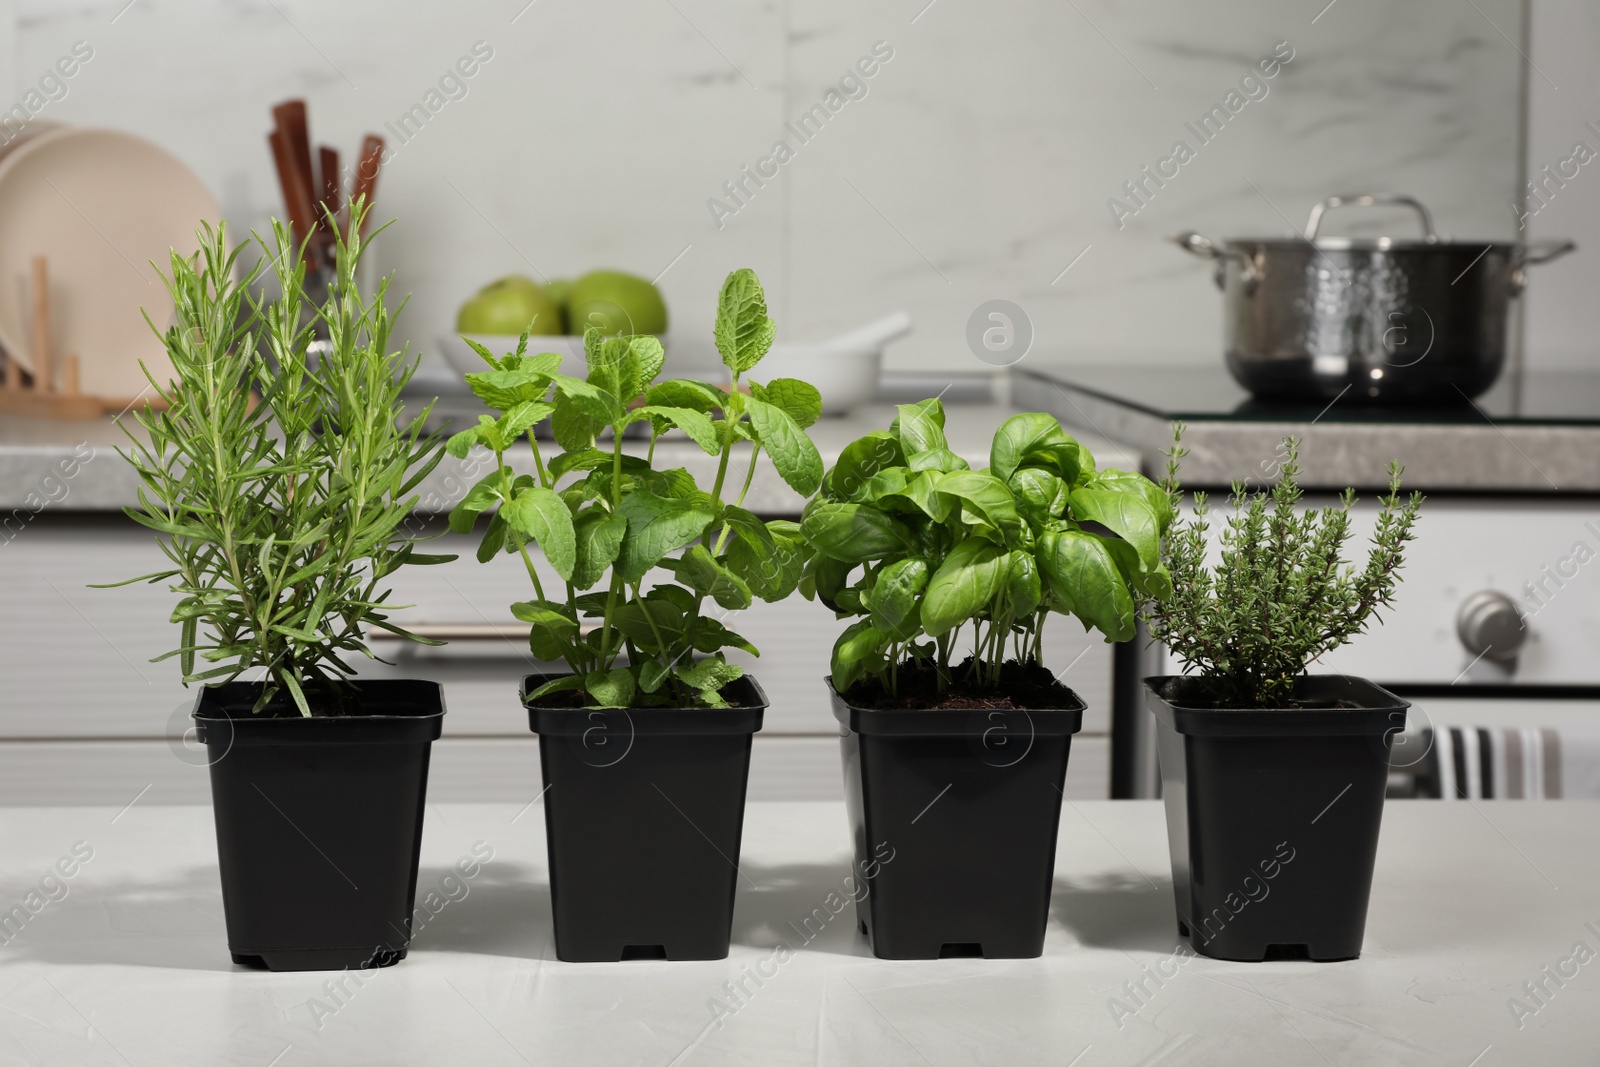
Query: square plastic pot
[
  {"x": 643, "y": 815},
  {"x": 1273, "y": 815},
  {"x": 319, "y": 823},
  {"x": 954, "y": 816}
]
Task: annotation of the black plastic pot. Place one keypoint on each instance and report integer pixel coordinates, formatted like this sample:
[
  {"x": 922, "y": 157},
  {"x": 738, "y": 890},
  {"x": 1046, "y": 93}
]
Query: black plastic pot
[
  {"x": 954, "y": 815},
  {"x": 319, "y": 822},
  {"x": 1273, "y": 815},
  {"x": 643, "y": 815}
]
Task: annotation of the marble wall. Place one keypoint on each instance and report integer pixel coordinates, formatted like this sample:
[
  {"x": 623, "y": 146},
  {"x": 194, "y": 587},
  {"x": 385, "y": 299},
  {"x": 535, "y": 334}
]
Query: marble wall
[{"x": 969, "y": 151}]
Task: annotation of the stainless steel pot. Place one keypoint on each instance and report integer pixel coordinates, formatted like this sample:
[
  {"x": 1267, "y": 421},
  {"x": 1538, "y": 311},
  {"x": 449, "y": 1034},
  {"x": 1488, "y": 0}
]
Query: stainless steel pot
[{"x": 1385, "y": 319}]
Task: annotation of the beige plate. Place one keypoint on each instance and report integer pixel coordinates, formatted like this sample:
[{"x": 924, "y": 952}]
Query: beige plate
[{"x": 100, "y": 204}]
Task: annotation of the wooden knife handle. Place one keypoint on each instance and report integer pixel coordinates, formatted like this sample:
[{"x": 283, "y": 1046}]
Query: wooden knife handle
[
  {"x": 366, "y": 181},
  {"x": 332, "y": 191},
  {"x": 296, "y": 196}
]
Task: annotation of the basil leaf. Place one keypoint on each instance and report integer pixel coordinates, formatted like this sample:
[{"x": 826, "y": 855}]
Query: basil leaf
[
  {"x": 893, "y": 600},
  {"x": 938, "y": 459},
  {"x": 1126, "y": 513},
  {"x": 1035, "y": 439},
  {"x": 861, "y": 460},
  {"x": 1127, "y": 481},
  {"x": 857, "y": 654},
  {"x": 962, "y": 587},
  {"x": 984, "y": 493},
  {"x": 1084, "y": 578},
  {"x": 1040, "y": 496},
  {"x": 920, "y": 426},
  {"x": 853, "y": 533}
]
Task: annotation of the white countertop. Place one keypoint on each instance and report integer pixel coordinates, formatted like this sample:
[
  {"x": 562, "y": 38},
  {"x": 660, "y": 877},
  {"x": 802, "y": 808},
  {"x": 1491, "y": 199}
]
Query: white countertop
[{"x": 1470, "y": 902}]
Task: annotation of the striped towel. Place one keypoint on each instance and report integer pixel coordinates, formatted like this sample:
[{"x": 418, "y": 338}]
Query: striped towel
[{"x": 1508, "y": 763}]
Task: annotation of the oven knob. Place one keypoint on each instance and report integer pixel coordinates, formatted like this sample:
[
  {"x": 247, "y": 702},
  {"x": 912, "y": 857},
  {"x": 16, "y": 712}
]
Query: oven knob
[{"x": 1490, "y": 625}]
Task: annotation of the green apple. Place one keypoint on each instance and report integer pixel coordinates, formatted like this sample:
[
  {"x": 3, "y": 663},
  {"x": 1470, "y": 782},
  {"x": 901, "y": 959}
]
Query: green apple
[
  {"x": 617, "y": 303},
  {"x": 507, "y": 306},
  {"x": 560, "y": 290}
]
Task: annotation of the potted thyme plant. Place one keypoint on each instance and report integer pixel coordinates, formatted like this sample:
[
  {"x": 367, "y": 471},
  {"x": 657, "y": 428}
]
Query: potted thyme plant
[
  {"x": 276, "y": 485},
  {"x": 1274, "y": 778},
  {"x": 644, "y": 741},
  {"x": 957, "y": 767}
]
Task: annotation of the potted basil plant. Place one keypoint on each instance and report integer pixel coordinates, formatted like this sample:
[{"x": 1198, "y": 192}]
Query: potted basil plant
[
  {"x": 644, "y": 739},
  {"x": 955, "y": 734},
  {"x": 276, "y": 484},
  {"x": 1273, "y": 777}
]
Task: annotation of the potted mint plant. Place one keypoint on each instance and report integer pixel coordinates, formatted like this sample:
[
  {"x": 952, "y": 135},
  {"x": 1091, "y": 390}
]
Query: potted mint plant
[
  {"x": 1274, "y": 778},
  {"x": 955, "y": 759},
  {"x": 276, "y": 485},
  {"x": 644, "y": 740}
]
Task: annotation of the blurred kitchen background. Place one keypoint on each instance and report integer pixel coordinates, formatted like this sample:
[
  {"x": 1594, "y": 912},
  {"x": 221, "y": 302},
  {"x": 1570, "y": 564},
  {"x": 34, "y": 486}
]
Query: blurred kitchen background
[{"x": 996, "y": 151}]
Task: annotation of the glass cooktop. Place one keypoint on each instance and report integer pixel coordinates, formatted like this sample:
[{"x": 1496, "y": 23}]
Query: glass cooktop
[{"x": 1195, "y": 394}]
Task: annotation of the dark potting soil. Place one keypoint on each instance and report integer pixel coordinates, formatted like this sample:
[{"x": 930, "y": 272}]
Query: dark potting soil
[{"x": 1022, "y": 685}]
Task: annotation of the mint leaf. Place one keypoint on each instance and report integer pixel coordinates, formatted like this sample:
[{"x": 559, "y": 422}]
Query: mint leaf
[
  {"x": 694, "y": 423},
  {"x": 598, "y": 537},
  {"x": 792, "y": 452},
  {"x": 538, "y": 514},
  {"x": 800, "y": 399},
  {"x": 656, "y": 526},
  {"x": 743, "y": 332}
]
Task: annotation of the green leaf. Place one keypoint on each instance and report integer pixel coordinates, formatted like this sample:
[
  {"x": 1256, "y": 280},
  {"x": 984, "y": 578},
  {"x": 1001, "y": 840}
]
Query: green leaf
[
  {"x": 1021, "y": 590},
  {"x": 709, "y": 676},
  {"x": 521, "y": 418},
  {"x": 893, "y": 600},
  {"x": 655, "y": 625},
  {"x": 656, "y": 526},
  {"x": 711, "y": 636},
  {"x": 652, "y": 673},
  {"x": 854, "y": 533},
  {"x": 1035, "y": 439},
  {"x": 480, "y": 498},
  {"x": 651, "y": 356},
  {"x": 743, "y": 332},
  {"x": 554, "y": 628},
  {"x": 795, "y": 457},
  {"x": 1040, "y": 495},
  {"x": 772, "y": 576},
  {"x": 922, "y": 493},
  {"x": 920, "y": 426},
  {"x": 963, "y": 586},
  {"x": 1127, "y": 481},
  {"x": 1084, "y": 578},
  {"x": 598, "y": 538},
  {"x": 1154, "y": 582},
  {"x": 747, "y": 527},
  {"x": 800, "y": 400},
  {"x": 858, "y": 654},
  {"x": 609, "y": 689},
  {"x": 504, "y": 389},
  {"x": 694, "y": 423},
  {"x": 702, "y": 573},
  {"x": 597, "y": 403},
  {"x": 859, "y": 461},
  {"x": 1126, "y": 513},
  {"x": 937, "y": 459},
  {"x": 685, "y": 393},
  {"x": 564, "y": 683},
  {"x": 494, "y": 539},
  {"x": 539, "y": 514},
  {"x": 461, "y": 443},
  {"x": 985, "y": 494}
]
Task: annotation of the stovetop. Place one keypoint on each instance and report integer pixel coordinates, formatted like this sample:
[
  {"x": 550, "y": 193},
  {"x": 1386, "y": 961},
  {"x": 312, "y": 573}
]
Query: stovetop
[{"x": 1202, "y": 394}]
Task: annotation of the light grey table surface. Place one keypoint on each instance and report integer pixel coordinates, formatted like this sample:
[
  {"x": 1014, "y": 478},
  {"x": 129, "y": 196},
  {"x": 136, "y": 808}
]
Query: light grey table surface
[
  {"x": 1470, "y": 902},
  {"x": 73, "y": 466}
]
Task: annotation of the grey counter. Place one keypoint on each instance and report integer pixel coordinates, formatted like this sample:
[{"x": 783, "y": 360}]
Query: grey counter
[
  {"x": 1488, "y": 456},
  {"x": 73, "y": 466}
]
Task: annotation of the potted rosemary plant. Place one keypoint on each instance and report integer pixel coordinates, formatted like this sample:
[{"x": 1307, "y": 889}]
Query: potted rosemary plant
[
  {"x": 1274, "y": 778},
  {"x": 644, "y": 740},
  {"x": 276, "y": 485},
  {"x": 954, "y": 767}
]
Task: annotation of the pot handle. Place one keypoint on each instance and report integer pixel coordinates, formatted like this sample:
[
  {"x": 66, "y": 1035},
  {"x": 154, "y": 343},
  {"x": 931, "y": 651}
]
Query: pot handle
[
  {"x": 1314, "y": 223},
  {"x": 1532, "y": 254},
  {"x": 1199, "y": 245}
]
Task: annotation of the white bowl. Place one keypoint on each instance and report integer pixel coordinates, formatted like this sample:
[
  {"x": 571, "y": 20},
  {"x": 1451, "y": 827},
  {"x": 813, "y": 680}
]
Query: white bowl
[{"x": 845, "y": 378}]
